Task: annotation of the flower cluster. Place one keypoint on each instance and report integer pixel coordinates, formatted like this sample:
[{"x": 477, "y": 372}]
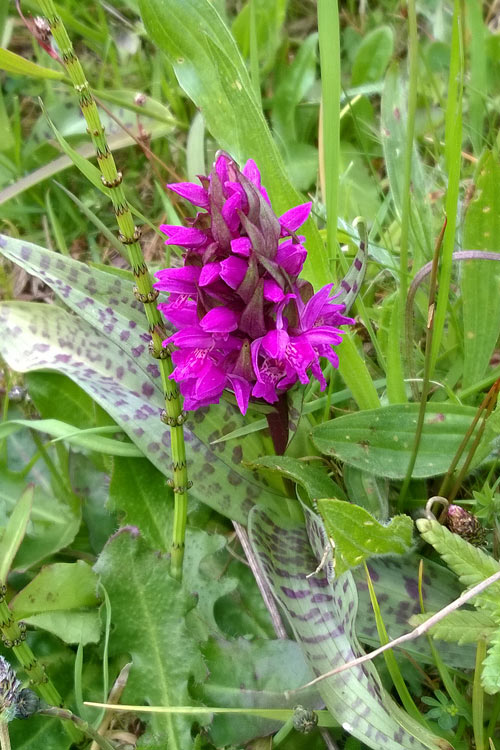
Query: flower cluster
[{"x": 246, "y": 320}]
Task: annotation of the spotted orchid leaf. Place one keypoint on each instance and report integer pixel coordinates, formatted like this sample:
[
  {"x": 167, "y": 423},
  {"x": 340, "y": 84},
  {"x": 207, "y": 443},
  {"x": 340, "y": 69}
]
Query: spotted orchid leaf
[
  {"x": 358, "y": 535},
  {"x": 321, "y": 611},
  {"x": 127, "y": 387},
  {"x": 395, "y": 580},
  {"x": 352, "y": 281}
]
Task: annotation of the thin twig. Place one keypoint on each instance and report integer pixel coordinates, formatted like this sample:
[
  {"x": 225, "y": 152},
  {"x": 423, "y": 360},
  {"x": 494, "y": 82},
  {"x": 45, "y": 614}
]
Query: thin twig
[
  {"x": 4, "y": 736},
  {"x": 325, "y": 736},
  {"x": 418, "y": 631},
  {"x": 114, "y": 696},
  {"x": 264, "y": 589}
]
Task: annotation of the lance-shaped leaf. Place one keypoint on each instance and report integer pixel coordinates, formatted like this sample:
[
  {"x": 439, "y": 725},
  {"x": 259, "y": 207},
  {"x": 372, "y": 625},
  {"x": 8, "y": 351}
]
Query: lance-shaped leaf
[
  {"x": 358, "y": 535},
  {"x": 148, "y": 616},
  {"x": 480, "y": 281},
  {"x": 380, "y": 441},
  {"x": 490, "y": 676},
  {"x": 322, "y": 613},
  {"x": 58, "y": 341},
  {"x": 129, "y": 379}
]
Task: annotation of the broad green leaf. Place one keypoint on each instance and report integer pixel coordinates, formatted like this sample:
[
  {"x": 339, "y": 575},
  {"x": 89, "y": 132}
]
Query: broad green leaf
[
  {"x": 61, "y": 586},
  {"x": 61, "y": 599},
  {"x": 373, "y": 56},
  {"x": 313, "y": 479},
  {"x": 118, "y": 351},
  {"x": 469, "y": 563},
  {"x": 321, "y": 612},
  {"x": 148, "y": 615},
  {"x": 462, "y": 626},
  {"x": 359, "y": 536},
  {"x": 17, "y": 65},
  {"x": 380, "y": 441},
  {"x": 91, "y": 439},
  {"x": 251, "y": 674},
  {"x": 211, "y": 71},
  {"x": 14, "y": 532},
  {"x": 490, "y": 676},
  {"x": 70, "y": 626},
  {"x": 393, "y": 131},
  {"x": 205, "y": 579},
  {"x": 480, "y": 281}
]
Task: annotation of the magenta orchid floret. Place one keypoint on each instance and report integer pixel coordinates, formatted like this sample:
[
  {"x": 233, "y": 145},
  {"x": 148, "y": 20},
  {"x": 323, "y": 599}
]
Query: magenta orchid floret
[{"x": 246, "y": 320}]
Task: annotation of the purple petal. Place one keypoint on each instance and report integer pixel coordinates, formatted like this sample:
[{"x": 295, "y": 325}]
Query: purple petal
[
  {"x": 272, "y": 291},
  {"x": 233, "y": 271},
  {"x": 179, "y": 280},
  {"x": 291, "y": 256},
  {"x": 230, "y": 211},
  {"x": 251, "y": 171},
  {"x": 295, "y": 217},
  {"x": 314, "y": 308},
  {"x": 219, "y": 320},
  {"x": 242, "y": 389},
  {"x": 275, "y": 343},
  {"x": 241, "y": 246},
  {"x": 179, "y": 310},
  {"x": 195, "y": 194},
  {"x": 185, "y": 236},
  {"x": 221, "y": 164},
  {"x": 267, "y": 391},
  {"x": 211, "y": 383},
  {"x": 210, "y": 272}
]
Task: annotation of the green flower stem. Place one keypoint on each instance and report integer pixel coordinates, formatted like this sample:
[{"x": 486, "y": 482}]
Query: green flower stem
[
  {"x": 129, "y": 236},
  {"x": 14, "y": 636},
  {"x": 86, "y": 728}
]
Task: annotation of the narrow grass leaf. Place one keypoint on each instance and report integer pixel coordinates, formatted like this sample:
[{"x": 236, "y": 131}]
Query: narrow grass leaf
[{"x": 14, "y": 531}]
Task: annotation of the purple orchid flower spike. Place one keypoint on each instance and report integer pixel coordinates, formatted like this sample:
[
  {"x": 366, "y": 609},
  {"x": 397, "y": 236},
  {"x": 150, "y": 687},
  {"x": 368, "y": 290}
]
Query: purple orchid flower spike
[{"x": 246, "y": 320}]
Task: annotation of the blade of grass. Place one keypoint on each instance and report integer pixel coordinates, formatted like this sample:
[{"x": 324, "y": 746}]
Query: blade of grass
[
  {"x": 329, "y": 48},
  {"x": 478, "y": 698},
  {"x": 406, "y": 203},
  {"x": 453, "y": 148}
]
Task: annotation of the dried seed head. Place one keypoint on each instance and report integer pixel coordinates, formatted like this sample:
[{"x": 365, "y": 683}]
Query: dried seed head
[{"x": 466, "y": 525}]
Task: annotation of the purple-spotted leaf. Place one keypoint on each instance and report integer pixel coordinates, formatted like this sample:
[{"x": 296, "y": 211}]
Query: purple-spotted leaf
[
  {"x": 359, "y": 536},
  {"x": 395, "y": 580},
  {"x": 129, "y": 391},
  {"x": 321, "y": 611}
]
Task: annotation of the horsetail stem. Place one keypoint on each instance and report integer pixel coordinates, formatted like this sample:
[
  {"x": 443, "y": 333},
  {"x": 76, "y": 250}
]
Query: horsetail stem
[
  {"x": 129, "y": 235},
  {"x": 14, "y": 637}
]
